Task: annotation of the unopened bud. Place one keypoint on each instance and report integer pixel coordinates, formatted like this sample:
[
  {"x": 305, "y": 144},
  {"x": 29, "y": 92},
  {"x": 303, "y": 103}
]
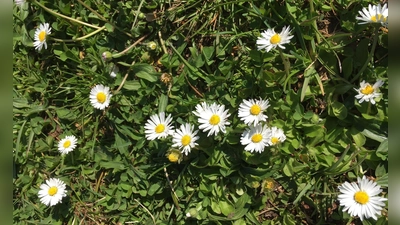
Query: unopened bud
[
  {"x": 192, "y": 213},
  {"x": 106, "y": 56},
  {"x": 152, "y": 45}
]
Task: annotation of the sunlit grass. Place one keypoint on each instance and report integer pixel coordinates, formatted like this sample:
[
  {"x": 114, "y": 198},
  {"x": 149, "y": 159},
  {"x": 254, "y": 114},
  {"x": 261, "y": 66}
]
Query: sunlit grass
[{"x": 305, "y": 134}]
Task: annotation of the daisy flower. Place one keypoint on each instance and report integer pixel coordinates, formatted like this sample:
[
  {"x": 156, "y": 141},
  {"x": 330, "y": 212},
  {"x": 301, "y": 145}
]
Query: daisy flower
[
  {"x": 277, "y": 136},
  {"x": 67, "y": 144},
  {"x": 100, "y": 96},
  {"x": 361, "y": 198},
  {"x": 367, "y": 93},
  {"x": 185, "y": 138},
  {"x": 40, "y": 36},
  {"x": 256, "y": 138},
  {"x": 251, "y": 111},
  {"x": 158, "y": 126},
  {"x": 270, "y": 39},
  {"x": 201, "y": 108},
  {"x": 212, "y": 118},
  {"x": 374, "y": 14},
  {"x": 52, "y": 192}
]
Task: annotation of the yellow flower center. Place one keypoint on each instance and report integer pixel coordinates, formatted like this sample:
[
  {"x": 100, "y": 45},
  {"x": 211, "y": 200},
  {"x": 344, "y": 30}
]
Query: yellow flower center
[
  {"x": 378, "y": 17},
  {"x": 275, "y": 140},
  {"x": 67, "y": 143},
  {"x": 214, "y": 120},
  {"x": 42, "y": 36},
  {"x": 361, "y": 197},
  {"x": 186, "y": 140},
  {"x": 269, "y": 185},
  {"x": 173, "y": 157},
  {"x": 53, "y": 190},
  {"x": 101, "y": 97},
  {"x": 275, "y": 39},
  {"x": 255, "y": 110},
  {"x": 160, "y": 128},
  {"x": 153, "y": 46},
  {"x": 367, "y": 90},
  {"x": 256, "y": 138}
]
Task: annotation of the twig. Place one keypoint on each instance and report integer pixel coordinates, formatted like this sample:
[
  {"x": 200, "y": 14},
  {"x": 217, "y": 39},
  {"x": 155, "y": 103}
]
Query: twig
[{"x": 152, "y": 217}]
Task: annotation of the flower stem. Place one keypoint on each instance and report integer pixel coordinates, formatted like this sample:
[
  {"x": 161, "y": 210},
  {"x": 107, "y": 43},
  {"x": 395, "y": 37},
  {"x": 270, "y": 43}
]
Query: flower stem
[
  {"x": 370, "y": 55},
  {"x": 81, "y": 38},
  {"x": 130, "y": 47},
  {"x": 65, "y": 17},
  {"x": 103, "y": 18}
]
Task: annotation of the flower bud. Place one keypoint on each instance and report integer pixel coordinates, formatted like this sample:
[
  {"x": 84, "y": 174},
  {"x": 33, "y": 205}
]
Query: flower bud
[
  {"x": 152, "y": 45},
  {"x": 192, "y": 213},
  {"x": 106, "y": 56}
]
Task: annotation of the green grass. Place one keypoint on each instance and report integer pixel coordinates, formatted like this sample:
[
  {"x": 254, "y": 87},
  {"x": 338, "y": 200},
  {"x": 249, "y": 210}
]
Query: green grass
[{"x": 116, "y": 176}]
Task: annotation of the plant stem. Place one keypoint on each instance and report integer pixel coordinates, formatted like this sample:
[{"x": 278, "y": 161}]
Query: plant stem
[
  {"x": 163, "y": 43},
  {"x": 81, "y": 38},
  {"x": 124, "y": 79},
  {"x": 137, "y": 14},
  {"x": 314, "y": 24},
  {"x": 65, "y": 17},
  {"x": 103, "y": 18},
  {"x": 369, "y": 108},
  {"x": 130, "y": 47},
  {"x": 370, "y": 55}
]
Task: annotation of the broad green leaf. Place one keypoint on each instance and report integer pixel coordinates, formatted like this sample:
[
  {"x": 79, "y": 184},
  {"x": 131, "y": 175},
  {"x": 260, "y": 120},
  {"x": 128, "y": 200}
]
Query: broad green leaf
[
  {"x": 358, "y": 137},
  {"x": 163, "y": 101},
  {"x": 153, "y": 189},
  {"x": 132, "y": 85},
  {"x": 383, "y": 149},
  {"x": 215, "y": 207},
  {"x": 226, "y": 208},
  {"x": 339, "y": 110}
]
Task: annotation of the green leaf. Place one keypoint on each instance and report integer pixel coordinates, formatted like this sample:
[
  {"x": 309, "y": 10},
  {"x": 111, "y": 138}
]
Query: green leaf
[
  {"x": 215, "y": 207},
  {"x": 383, "y": 149},
  {"x": 154, "y": 188},
  {"x": 226, "y": 208},
  {"x": 163, "y": 101},
  {"x": 67, "y": 114},
  {"x": 358, "y": 137},
  {"x": 145, "y": 71},
  {"x": 288, "y": 219},
  {"x": 109, "y": 27},
  {"x": 132, "y": 85},
  {"x": 116, "y": 166},
  {"x": 339, "y": 110}
]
